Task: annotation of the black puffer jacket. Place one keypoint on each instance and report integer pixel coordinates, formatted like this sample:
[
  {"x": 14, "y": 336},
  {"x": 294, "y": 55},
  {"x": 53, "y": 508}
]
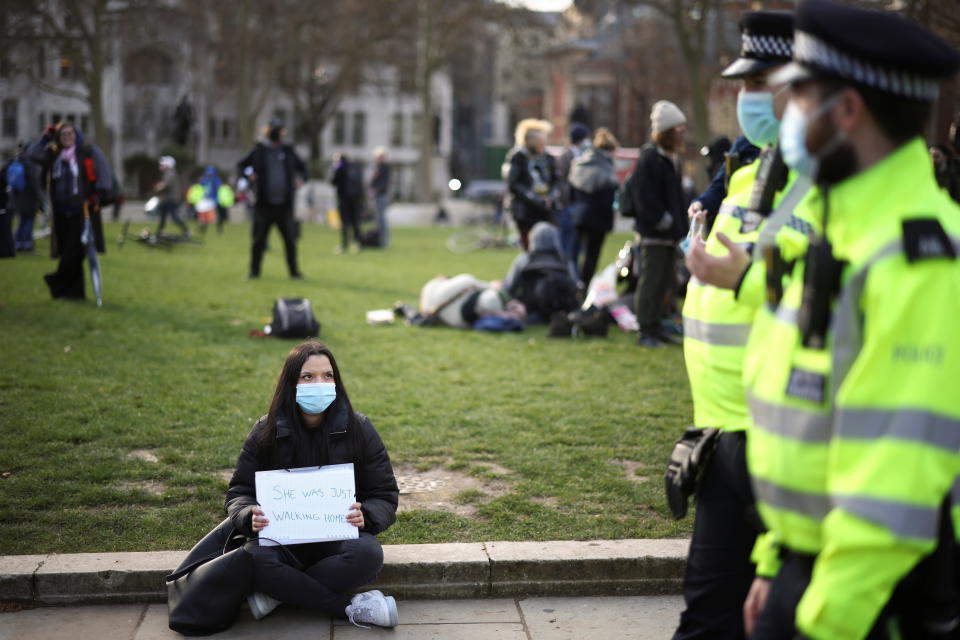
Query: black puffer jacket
[
  {"x": 377, "y": 490},
  {"x": 522, "y": 172},
  {"x": 657, "y": 193}
]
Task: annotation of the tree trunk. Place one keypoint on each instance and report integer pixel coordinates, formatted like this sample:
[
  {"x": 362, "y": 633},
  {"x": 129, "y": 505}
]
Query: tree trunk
[
  {"x": 425, "y": 161},
  {"x": 245, "y": 119}
]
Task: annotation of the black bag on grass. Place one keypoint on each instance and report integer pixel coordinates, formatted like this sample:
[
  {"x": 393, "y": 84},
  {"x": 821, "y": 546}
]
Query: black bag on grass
[
  {"x": 205, "y": 592},
  {"x": 293, "y": 318}
]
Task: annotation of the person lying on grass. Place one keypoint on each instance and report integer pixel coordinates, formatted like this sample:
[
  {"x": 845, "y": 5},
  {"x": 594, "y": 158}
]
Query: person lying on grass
[{"x": 312, "y": 423}]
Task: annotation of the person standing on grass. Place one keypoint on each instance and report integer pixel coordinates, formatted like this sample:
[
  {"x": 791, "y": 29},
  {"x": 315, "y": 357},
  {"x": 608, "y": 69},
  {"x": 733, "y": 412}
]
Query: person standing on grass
[
  {"x": 23, "y": 186},
  {"x": 311, "y": 422},
  {"x": 77, "y": 177},
  {"x": 380, "y": 188},
  {"x": 593, "y": 186},
  {"x": 661, "y": 218},
  {"x": 278, "y": 172},
  {"x": 349, "y": 183},
  {"x": 170, "y": 192},
  {"x": 531, "y": 178}
]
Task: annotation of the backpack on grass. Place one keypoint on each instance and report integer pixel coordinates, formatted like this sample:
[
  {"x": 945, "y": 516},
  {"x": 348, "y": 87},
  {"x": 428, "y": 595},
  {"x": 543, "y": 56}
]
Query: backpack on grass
[{"x": 293, "y": 318}]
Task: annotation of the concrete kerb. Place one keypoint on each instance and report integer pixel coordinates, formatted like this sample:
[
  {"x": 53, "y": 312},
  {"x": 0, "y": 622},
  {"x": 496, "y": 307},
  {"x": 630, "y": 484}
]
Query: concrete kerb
[{"x": 410, "y": 572}]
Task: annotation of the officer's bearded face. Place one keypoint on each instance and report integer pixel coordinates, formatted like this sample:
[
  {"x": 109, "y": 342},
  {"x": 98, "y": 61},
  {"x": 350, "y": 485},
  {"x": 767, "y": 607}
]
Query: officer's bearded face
[{"x": 825, "y": 139}]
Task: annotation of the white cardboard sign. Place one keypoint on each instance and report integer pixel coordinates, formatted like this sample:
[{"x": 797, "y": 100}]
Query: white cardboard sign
[{"x": 309, "y": 504}]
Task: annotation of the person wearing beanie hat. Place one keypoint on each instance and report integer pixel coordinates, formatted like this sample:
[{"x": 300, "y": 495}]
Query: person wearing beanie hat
[
  {"x": 579, "y": 142},
  {"x": 665, "y": 116},
  {"x": 656, "y": 192},
  {"x": 851, "y": 444},
  {"x": 719, "y": 570}
]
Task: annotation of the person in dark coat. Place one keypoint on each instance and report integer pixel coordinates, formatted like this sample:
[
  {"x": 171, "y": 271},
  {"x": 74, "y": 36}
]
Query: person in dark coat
[
  {"x": 380, "y": 189},
  {"x": 531, "y": 177},
  {"x": 311, "y": 422},
  {"x": 278, "y": 172},
  {"x": 349, "y": 183},
  {"x": 661, "y": 218},
  {"x": 78, "y": 177},
  {"x": 579, "y": 143},
  {"x": 25, "y": 201},
  {"x": 593, "y": 187}
]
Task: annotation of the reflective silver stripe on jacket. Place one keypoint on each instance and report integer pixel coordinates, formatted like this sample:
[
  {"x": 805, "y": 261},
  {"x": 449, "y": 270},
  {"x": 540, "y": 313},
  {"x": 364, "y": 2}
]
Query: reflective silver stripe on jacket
[
  {"x": 716, "y": 334},
  {"x": 900, "y": 518},
  {"x": 782, "y": 215},
  {"x": 789, "y": 422},
  {"x": 813, "y": 505},
  {"x": 915, "y": 425},
  {"x": 787, "y": 315}
]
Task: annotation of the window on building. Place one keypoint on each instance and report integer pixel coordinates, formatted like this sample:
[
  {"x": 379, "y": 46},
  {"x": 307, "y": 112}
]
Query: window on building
[
  {"x": 148, "y": 66},
  {"x": 6, "y": 66},
  {"x": 72, "y": 118},
  {"x": 340, "y": 128},
  {"x": 57, "y": 118},
  {"x": 359, "y": 129},
  {"x": 211, "y": 128},
  {"x": 396, "y": 132},
  {"x": 417, "y": 129},
  {"x": 10, "y": 118},
  {"x": 42, "y": 121},
  {"x": 226, "y": 129},
  {"x": 66, "y": 68},
  {"x": 41, "y": 61},
  {"x": 85, "y": 123}
]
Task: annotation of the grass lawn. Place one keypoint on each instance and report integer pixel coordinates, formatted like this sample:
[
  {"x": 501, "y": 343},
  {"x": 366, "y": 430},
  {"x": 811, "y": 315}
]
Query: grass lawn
[{"x": 120, "y": 424}]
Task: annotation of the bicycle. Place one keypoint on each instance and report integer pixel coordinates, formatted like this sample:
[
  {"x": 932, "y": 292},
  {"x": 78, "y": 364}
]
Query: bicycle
[{"x": 493, "y": 235}]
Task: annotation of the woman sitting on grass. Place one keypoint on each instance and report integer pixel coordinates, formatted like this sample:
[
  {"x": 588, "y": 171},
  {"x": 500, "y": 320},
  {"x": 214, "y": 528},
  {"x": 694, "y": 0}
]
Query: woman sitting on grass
[{"x": 311, "y": 422}]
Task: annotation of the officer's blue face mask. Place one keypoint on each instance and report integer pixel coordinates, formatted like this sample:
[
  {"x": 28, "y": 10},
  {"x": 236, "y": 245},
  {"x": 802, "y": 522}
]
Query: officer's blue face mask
[
  {"x": 756, "y": 117},
  {"x": 315, "y": 398},
  {"x": 793, "y": 137}
]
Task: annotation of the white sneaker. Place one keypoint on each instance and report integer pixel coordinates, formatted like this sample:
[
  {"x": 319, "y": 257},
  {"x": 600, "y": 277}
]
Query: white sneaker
[
  {"x": 372, "y": 607},
  {"x": 360, "y": 597},
  {"x": 261, "y": 604}
]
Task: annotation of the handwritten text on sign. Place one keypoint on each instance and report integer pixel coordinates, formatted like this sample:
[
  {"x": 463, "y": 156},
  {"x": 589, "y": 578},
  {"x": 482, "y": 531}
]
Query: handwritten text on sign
[{"x": 306, "y": 505}]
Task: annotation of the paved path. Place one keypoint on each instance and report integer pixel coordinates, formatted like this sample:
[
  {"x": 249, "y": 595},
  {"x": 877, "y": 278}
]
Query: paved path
[{"x": 632, "y": 617}]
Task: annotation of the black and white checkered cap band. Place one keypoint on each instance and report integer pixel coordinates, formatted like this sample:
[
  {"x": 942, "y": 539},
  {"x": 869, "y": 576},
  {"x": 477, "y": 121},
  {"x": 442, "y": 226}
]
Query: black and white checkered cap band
[
  {"x": 767, "y": 46},
  {"x": 812, "y": 50}
]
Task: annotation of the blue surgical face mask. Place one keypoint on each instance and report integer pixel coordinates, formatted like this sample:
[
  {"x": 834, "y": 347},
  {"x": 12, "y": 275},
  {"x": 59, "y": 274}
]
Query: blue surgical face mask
[
  {"x": 756, "y": 117},
  {"x": 315, "y": 398},
  {"x": 793, "y": 137}
]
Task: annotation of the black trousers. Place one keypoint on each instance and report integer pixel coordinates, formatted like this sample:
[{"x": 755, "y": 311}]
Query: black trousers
[
  {"x": 264, "y": 217},
  {"x": 171, "y": 209},
  {"x": 67, "y": 280},
  {"x": 591, "y": 241},
  {"x": 330, "y": 570},
  {"x": 719, "y": 571},
  {"x": 656, "y": 277},
  {"x": 349, "y": 222}
]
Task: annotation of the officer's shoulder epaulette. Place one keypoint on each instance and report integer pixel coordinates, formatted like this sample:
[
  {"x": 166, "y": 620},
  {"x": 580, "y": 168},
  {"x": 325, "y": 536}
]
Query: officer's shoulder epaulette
[{"x": 925, "y": 239}]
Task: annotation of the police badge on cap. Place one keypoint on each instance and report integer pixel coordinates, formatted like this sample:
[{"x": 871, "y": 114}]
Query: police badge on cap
[
  {"x": 766, "y": 40},
  {"x": 877, "y": 49}
]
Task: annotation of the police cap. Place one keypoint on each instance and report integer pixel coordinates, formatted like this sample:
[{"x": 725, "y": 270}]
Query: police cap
[
  {"x": 766, "y": 40},
  {"x": 877, "y": 49}
]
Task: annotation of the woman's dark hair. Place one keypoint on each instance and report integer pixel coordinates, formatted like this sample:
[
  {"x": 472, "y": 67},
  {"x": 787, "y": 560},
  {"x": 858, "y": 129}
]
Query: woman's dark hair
[{"x": 284, "y": 402}]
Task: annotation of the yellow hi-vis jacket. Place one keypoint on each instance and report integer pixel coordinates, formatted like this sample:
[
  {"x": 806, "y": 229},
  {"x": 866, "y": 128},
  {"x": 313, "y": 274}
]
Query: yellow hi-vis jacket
[
  {"x": 894, "y": 432},
  {"x": 715, "y": 325},
  {"x": 717, "y": 322}
]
